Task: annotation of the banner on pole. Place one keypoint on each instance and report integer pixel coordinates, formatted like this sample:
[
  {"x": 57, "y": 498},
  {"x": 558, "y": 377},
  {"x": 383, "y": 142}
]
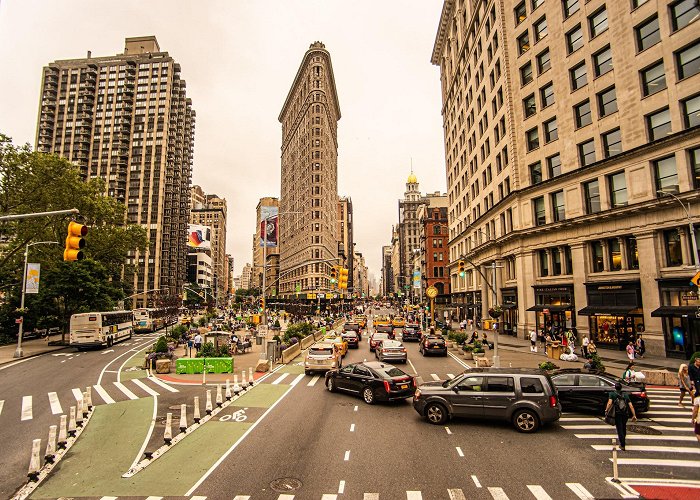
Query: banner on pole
[
  {"x": 32, "y": 281},
  {"x": 271, "y": 215},
  {"x": 416, "y": 279}
]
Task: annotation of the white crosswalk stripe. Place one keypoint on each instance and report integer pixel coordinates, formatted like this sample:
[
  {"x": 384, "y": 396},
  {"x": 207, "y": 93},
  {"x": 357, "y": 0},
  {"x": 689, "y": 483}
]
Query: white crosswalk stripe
[
  {"x": 456, "y": 494},
  {"x": 538, "y": 492},
  {"x": 2, "y": 403},
  {"x": 313, "y": 381},
  {"x": 165, "y": 386},
  {"x": 280, "y": 379},
  {"x": 103, "y": 394},
  {"x": 55, "y": 404},
  {"x": 77, "y": 394},
  {"x": 297, "y": 379},
  {"x": 414, "y": 495},
  {"x": 26, "y": 408},
  {"x": 580, "y": 491},
  {"x": 241, "y": 497},
  {"x": 498, "y": 493},
  {"x": 125, "y": 390},
  {"x": 145, "y": 387},
  {"x": 435, "y": 377}
]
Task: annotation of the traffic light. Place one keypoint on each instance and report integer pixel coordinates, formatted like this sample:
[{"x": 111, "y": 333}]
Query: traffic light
[
  {"x": 75, "y": 241},
  {"x": 334, "y": 275},
  {"x": 262, "y": 304},
  {"x": 460, "y": 268},
  {"x": 343, "y": 278}
]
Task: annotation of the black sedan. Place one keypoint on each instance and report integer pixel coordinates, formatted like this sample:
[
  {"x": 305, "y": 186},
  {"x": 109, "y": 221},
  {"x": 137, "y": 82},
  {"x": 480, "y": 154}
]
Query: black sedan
[
  {"x": 581, "y": 391},
  {"x": 354, "y": 327},
  {"x": 377, "y": 338},
  {"x": 373, "y": 381},
  {"x": 433, "y": 344},
  {"x": 388, "y": 329},
  {"x": 351, "y": 338},
  {"x": 411, "y": 332}
]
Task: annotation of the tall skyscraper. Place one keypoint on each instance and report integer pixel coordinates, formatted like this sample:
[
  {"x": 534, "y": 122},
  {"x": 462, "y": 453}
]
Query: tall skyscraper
[
  {"x": 346, "y": 242},
  {"x": 127, "y": 119},
  {"x": 409, "y": 233},
  {"x": 309, "y": 201},
  {"x": 565, "y": 124},
  {"x": 267, "y": 207}
]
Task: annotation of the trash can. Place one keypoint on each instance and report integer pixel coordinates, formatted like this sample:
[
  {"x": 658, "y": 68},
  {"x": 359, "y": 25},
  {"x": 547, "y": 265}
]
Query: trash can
[{"x": 259, "y": 340}]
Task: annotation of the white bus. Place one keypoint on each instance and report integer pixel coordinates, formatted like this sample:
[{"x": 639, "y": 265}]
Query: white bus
[
  {"x": 152, "y": 319},
  {"x": 98, "y": 329}
]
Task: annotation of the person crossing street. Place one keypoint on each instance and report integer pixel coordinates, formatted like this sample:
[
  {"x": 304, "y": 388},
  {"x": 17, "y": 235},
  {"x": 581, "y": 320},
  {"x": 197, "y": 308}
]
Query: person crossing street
[{"x": 622, "y": 407}]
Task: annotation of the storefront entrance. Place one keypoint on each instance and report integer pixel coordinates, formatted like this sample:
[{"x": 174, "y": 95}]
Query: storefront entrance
[
  {"x": 509, "y": 297},
  {"x": 553, "y": 310},
  {"x": 680, "y": 313},
  {"x": 615, "y": 313}
]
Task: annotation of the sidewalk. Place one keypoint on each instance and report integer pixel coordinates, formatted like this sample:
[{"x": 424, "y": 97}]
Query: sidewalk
[{"x": 30, "y": 348}]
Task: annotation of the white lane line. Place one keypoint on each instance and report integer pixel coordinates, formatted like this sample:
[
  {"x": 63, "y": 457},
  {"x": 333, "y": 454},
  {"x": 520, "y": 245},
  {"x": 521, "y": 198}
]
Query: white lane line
[
  {"x": 447, "y": 429},
  {"x": 580, "y": 491},
  {"x": 198, "y": 498},
  {"x": 162, "y": 384},
  {"x": 99, "y": 379},
  {"x": 538, "y": 492},
  {"x": 413, "y": 495},
  {"x": 355, "y": 409},
  {"x": 658, "y": 462},
  {"x": 239, "y": 497},
  {"x": 280, "y": 378},
  {"x": 659, "y": 449},
  {"x": 2, "y": 403},
  {"x": 26, "y": 408},
  {"x": 642, "y": 438},
  {"x": 108, "y": 498},
  {"x": 77, "y": 394},
  {"x": 498, "y": 493},
  {"x": 329, "y": 496},
  {"x": 456, "y": 494},
  {"x": 347, "y": 456},
  {"x": 460, "y": 452},
  {"x": 450, "y": 376},
  {"x": 415, "y": 372},
  {"x": 579, "y": 419},
  {"x": 55, "y": 403},
  {"x": 125, "y": 390},
  {"x": 297, "y": 379},
  {"x": 435, "y": 377},
  {"x": 370, "y": 496},
  {"x": 145, "y": 387},
  {"x": 284, "y": 497},
  {"x": 352, "y": 427},
  {"x": 313, "y": 381},
  {"x": 154, "y": 498},
  {"x": 103, "y": 394},
  {"x": 341, "y": 487},
  {"x": 476, "y": 482}
]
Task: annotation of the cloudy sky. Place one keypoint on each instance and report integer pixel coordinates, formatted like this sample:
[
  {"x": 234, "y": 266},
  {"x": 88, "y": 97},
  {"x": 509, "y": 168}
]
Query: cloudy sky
[{"x": 239, "y": 58}]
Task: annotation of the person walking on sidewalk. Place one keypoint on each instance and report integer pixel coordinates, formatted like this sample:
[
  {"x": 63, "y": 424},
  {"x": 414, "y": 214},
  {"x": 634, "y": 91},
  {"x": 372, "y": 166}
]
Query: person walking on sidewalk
[
  {"x": 630, "y": 351},
  {"x": 684, "y": 384},
  {"x": 584, "y": 346},
  {"x": 623, "y": 407},
  {"x": 533, "y": 341},
  {"x": 197, "y": 342},
  {"x": 694, "y": 372}
]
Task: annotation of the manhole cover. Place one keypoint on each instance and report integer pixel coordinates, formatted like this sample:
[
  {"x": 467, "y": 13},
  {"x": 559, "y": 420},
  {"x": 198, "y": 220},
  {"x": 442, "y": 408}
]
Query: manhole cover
[
  {"x": 643, "y": 429},
  {"x": 285, "y": 484}
]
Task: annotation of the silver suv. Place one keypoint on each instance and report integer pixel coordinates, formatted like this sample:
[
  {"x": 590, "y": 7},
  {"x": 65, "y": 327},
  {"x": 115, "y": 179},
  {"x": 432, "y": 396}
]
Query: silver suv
[{"x": 525, "y": 397}]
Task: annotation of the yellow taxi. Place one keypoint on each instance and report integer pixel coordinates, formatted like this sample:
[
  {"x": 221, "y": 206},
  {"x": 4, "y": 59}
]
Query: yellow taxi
[
  {"x": 398, "y": 322},
  {"x": 382, "y": 321},
  {"x": 360, "y": 320},
  {"x": 340, "y": 343}
]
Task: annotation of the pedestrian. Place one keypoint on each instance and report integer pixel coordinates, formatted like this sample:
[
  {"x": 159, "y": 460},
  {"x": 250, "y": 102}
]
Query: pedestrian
[
  {"x": 696, "y": 409},
  {"x": 533, "y": 341},
  {"x": 630, "y": 351},
  {"x": 639, "y": 347},
  {"x": 622, "y": 405},
  {"x": 684, "y": 384},
  {"x": 628, "y": 374},
  {"x": 694, "y": 373},
  {"x": 197, "y": 342},
  {"x": 584, "y": 346}
]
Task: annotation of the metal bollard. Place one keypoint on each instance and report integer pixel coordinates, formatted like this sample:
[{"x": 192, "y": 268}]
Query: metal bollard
[
  {"x": 208, "y": 406},
  {"x": 168, "y": 434},
  {"x": 219, "y": 399},
  {"x": 71, "y": 422},
  {"x": 35, "y": 461},
  {"x": 196, "y": 410},
  {"x": 51, "y": 445},
  {"x": 228, "y": 390},
  {"x": 183, "y": 417},
  {"x": 86, "y": 405},
  {"x": 236, "y": 387},
  {"x": 89, "y": 397},
  {"x": 244, "y": 384},
  {"x": 79, "y": 413},
  {"x": 63, "y": 432},
  {"x": 250, "y": 375},
  {"x": 614, "y": 460}
]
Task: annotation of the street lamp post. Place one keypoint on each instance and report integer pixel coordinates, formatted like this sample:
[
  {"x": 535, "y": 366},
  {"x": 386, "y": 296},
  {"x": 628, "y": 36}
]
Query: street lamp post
[
  {"x": 18, "y": 352},
  {"x": 691, "y": 227}
]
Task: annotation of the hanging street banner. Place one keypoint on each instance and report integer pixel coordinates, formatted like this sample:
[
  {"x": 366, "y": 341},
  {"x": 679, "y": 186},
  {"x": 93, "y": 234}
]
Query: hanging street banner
[
  {"x": 416, "y": 279},
  {"x": 32, "y": 281},
  {"x": 199, "y": 237},
  {"x": 269, "y": 214}
]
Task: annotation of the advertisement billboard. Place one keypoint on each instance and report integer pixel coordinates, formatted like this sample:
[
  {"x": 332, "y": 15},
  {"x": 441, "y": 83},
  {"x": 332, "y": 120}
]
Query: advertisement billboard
[
  {"x": 32, "y": 278},
  {"x": 269, "y": 214},
  {"x": 199, "y": 236}
]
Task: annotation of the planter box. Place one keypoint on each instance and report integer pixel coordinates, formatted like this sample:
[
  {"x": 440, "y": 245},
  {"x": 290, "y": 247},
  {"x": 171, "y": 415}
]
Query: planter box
[
  {"x": 162, "y": 366},
  {"x": 468, "y": 355},
  {"x": 196, "y": 365}
]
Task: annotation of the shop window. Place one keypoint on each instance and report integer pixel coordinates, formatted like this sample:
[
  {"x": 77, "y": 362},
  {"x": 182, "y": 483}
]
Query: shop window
[
  {"x": 688, "y": 61},
  {"x": 691, "y": 111},
  {"x": 665, "y": 174},
  {"x": 612, "y": 143},
  {"x": 602, "y": 61},
  {"x": 554, "y": 166},
  {"x": 558, "y": 211},
  {"x": 570, "y": 6},
  {"x": 632, "y": 253},
  {"x": 574, "y": 39},
  {"x": 556, "y": 262},
  {"x": 684, "y": 12},
  {"x": 659, "y": 124},
  {"x": 672, "y": 242},
  {"x": 539, "y": 211},
  {"x": 544, "y": 262},
  {"x": 615, "y": 254},
  {"x": 591, "y": 192},
  {"x": 597, "y": 256},
  {"x": 653, "y": 78},
  {"x": 536, "y": 173},
  {"x": 647, "y": 33},
  {"x": 618, "y": 190},
  {"x": 547, "y": 95},
  {"x": 694, "y": 159}
]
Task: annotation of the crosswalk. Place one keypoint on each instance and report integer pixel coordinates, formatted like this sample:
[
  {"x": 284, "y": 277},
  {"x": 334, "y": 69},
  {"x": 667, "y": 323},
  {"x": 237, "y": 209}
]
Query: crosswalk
[{"x": 101, "y": 394}]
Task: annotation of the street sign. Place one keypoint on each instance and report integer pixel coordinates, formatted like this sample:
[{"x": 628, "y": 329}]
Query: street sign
[
  {"x": 321, "y": 295},
  {"x": 696, "y": 279},
  {"x": 18, "y": 320}
]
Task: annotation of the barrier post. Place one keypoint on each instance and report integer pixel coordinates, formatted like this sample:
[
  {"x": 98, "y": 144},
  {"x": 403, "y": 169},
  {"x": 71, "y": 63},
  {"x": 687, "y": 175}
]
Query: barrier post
[
  {"x": 228, "y": 390},
  {"x": 168, "y": 433},
  {"x": 86, "y": 405},
  {"x": 51, "y": 445},
  {"x": 89, "y": 397},
  {"x": 196, "y": 410},
  {"x": 79, "y": 413},
  {"x": 71, "y": 422},
  {"x": 63, "y": 432},
  {"x": 614, "y": 460},
  {"x": 183, "y": 417},
  {"x": 35, "y": 461},
  {"x": 250, "y": 375},
  {"x": 219, "y": 399},
  {"x": 208, "y": 406},
  {"x": 236, "y": 387},
  {"x": 244, "y": 383}
]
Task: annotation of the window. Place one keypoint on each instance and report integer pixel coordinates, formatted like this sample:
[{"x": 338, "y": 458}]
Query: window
[
  {"x": 674, "y": 255},
  {"x": 647, "y": 33},
  {"x": 556, "y": 261},
  {"x": 520, "y": 13},
  {"x": 536, "y": 173},
  {"x": 666, "y": 174},
  {"x": 612, "y": 143},
  {"x": 550, "y": 130},
  {"x": 569, "y": 7},
  {"x": 540, "y": 29},
  {"x": 653, "y": 78},
  {"x": 531, "y": 385},
  {"x": 558, "y": 206},
  {"x": 543, "y": 61},
  {"x": 684, "y": 12},
  {"x": 526, "y": 74},
  {"x": 539, "y": 211},
  {"x": 691, "y": 111},
  {"x": 598, "y": 22},
  {"x": 582, "y": 114},
  {"x": 694, "y": 157},
  {"x": 533, "y": 139},
  {"x": 637, "y": 3},
  {"x": 530, "y": 106},
  {"x": 500, "y": 384},
  {"x": 602, "y": 61},
  {"x": 554, "y": 166},
  {"x": 586, "y": 152},
  {"x": 536, "y": 3},
  {"x": 632, "y": 253},
  {"x": 597, "y": 256},
  {"x": 574, "y": 39},
  {"x": 618, "y": 190},
  {"x": 591, "y": 192},
  {"x": 688, "y": 61},
  {"x": 659, "y": 124},
  {"x": 471, "y": 384},
  {"x": 523, "y": 43},
  {"x": 547, "y": 95},
  {"x": 544, "y": 262},
  {"x": 579, "y": 76},
  {"x": 615, "y": 254},
  {"x": 607, "y": 102}
]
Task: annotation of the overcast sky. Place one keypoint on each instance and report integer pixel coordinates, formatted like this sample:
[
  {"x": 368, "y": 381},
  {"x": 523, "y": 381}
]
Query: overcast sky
[{"x": 239, "y": 59}]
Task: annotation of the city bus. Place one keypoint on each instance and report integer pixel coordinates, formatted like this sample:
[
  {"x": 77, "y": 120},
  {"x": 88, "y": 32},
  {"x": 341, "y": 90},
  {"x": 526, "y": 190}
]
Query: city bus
[
  {"x": 151, "y": 319},
  {"x": 99, "y": 329}
]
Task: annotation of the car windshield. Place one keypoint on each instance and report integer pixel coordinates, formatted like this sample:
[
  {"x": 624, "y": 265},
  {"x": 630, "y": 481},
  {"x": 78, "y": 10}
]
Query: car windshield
[
  {"x": 321, "y": 351},
  {"x": 391, "y": 371},
  {"x": 350, "y": 335},
  {"x": 380, "y": 336},
  {"x": 391, "y": 343}
]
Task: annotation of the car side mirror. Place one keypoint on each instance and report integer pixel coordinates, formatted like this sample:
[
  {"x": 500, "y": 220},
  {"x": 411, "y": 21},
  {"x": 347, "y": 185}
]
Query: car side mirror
[{"x": 455, "y": 388}]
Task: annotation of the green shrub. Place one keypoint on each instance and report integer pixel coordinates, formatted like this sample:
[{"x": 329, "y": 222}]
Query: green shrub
[
  {"x": 223, "y": 351},
  {"x": 696, "y": 354},
  {"x": 468, "y": 348},
  {"x": 548, "y": 366},
  {"x": 596, "y": 363},
  {"x": 178, "y": 331},
  {"x": 207, "y": 351},
  {"x": 460, "y": 337},
  {"x": 161, "y": 345}
]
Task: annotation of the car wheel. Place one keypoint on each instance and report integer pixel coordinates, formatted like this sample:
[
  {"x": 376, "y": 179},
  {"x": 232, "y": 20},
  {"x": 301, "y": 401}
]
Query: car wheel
[
  {"x": 368, "y": 395},
  {"x": 436, "y": 413},
  {"x": 330, "y": 385},
  {"x": 307, "y": 372},
  {"x": 526, "y": 421}
]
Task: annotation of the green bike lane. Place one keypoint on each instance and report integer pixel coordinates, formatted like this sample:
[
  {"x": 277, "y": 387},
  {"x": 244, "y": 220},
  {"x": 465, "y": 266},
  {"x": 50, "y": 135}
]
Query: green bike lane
[{"x": 116, "y": 433}]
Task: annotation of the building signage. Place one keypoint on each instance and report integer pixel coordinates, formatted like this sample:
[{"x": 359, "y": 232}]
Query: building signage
[
  {"x": 269, "y": 223},
  {"x": 199, "y": 237},
  {"x": 550, "y": 289},
  {"x": 610, "y": 287}
]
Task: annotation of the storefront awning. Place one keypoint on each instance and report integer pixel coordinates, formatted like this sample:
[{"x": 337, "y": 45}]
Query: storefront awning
[
  {"x": 679, "y": 311},
  {"x": 542, "y": 307},
  {"x": 612, "y": 310}
]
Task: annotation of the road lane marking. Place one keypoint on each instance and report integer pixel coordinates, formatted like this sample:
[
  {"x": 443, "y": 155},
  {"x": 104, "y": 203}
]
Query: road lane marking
[
  {"x": 447, "y": 429},
  {"x": 297, "y": 379},
  {"x": 658, "y": 462},
  {"x": 580, "y": 491},
  {"x": 498, "y": 493},
  {"x": 643, "y": 438},
  {"x": 476, "y": 482},
  {"x": 450, "y": 376},
  {"x": 239, "y": 497},
  {"x": 2, "y": 403},
  {"x": 145, "y": 387},
  {"x": 26, "y": 408},
  {"x": 77, "y": 394},
  {"x": 341, "y": 487},
  {"x": 415, "y": 372},
  {"x": 414, "y": 495},
  {"x": 280, "y": 378},
  {"x": 355, "y": 408},
  {"x": 198, "y": 498},
  {"x": 99, "y": 379},
  {"x": 329, "y": 496},
  {"x": 125, "y": 390},
  {"x": 313, "y": 381},
  {"x": 55, "y": 403},
  {"x": 659, "y": 449},
  {"x": 165, "y": 386},
  {"x": 281, "y": 497},
  {"x": 103, "y": 394},
  {"x": 156, "y": 498},
  {"x": 347, "y": 456},
  {"x": 456, "y": 494},
  {"x": 538, "y": 492},
  {"x": 370, "y": 496},
  {"x": 460, "y": 452},
  {"x": 435, "y": 377},
  {"x": 352, "y": 427},
  {"x": 108, "y": 498}
]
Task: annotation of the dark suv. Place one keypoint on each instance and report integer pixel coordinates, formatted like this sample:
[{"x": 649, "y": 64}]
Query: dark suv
[{"x": 525, "y": 397}]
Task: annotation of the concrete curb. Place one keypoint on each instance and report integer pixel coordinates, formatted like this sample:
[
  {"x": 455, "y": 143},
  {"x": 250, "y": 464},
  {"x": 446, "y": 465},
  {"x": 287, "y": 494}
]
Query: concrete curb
[{"x": 13, "y": 361}]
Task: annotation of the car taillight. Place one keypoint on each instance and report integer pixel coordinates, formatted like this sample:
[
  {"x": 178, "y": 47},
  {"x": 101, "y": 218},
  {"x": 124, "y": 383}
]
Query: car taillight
[
  {"x": 403, "y": 349},
  {"x": 386, "y": 385},
  {"x": 413, "y": 379},
  {"x": 642, "y": 394},
  {"x": 417, "y": 394},
  {"x": 553, "y": 401}
]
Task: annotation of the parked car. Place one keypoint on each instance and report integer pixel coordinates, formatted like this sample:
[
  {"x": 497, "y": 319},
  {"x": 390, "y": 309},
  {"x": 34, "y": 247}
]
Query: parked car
[
  {"x": 433, "y": 344},
  {"x": 352, "y": 339},
  {"x": 376, "y": 339},
  {"x": 583, "y": 391},
  {"x": 373, "y": 381},
  {"x": 525, "y": 397},
  {"x": 322, "y": 356},
  {"x": 411, "y": 332},
  {"x": 391, "y": 350}
]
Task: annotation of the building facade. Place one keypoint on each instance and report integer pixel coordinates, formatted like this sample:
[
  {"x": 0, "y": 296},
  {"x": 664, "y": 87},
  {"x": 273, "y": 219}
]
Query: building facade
[
  {"x": 127, "y": 119},
  {"x": 266, "y": 206},
  {"x": 246, "y": 276},
  {"x": 199, "y": 270},
  {"x": 387, "y": 280},
  {"x": 346, "y": 243},
  {"x": 309, "y": 191},
  {"x": 434, "y": 261},
  {"x": 397, "y": 283},
  {"x": 565, "y": 122},
  {"x": 409, "y": 234}
]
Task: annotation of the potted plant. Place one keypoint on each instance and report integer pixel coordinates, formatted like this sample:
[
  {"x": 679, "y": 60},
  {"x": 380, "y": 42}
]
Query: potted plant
[
  {"x": 478, "y": 349},
  {"x": 468, "y": 351},
  {"x": 547, "y": 366},
  {"x": 495, "y": 311}
]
